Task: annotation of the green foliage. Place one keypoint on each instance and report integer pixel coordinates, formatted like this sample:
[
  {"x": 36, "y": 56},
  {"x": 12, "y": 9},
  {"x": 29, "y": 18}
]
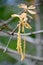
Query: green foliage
[{"x": 4, "y": 56}]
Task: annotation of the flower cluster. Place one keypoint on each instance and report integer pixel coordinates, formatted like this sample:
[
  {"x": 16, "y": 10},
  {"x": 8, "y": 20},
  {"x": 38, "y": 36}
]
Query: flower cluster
[
  {"x": 30, "y": 9},
  {"x": 23, "y": 24}
]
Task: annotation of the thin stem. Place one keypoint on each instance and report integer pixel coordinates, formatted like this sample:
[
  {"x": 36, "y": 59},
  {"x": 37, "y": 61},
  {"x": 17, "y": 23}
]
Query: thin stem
[
  {"x": 7, "y": 44},
  {"x": 16, "y": 53},
  {"x": 15, "y": 28},
  {"x": 36, "y": 32},
  {"x": 10, "y": 38}
]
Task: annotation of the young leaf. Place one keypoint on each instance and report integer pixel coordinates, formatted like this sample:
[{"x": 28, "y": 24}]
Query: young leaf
[
  {"x": 31, "y": 7},
  {"x": 31, "y": 12},
  {"x": 14, "y": 15}
]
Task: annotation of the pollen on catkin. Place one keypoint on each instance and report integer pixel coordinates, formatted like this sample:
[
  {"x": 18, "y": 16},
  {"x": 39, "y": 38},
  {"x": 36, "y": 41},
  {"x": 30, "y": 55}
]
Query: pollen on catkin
[{"x": 23, "y": 17}]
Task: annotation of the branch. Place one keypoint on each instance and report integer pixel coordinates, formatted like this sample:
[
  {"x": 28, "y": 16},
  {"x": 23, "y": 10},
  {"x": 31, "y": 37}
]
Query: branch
[
  {"x": 36, "y": 32},
  {"x": 5, "y": 22},
  {"x": 16, "y": 53},
  {"x": 9, "y": 20},
  {"x": 28, "y": 38}
]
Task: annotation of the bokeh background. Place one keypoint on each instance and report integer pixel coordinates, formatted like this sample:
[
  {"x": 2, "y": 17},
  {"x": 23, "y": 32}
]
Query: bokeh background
[{"x": 34, "y": 42}]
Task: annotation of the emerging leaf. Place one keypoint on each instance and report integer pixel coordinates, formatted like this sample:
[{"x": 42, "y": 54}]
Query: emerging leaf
[
  {"x": 31, "y": 12},
  {"x": 31, "y": 7},
  {"x": 14, "y": 15},
  {"x": 22, "y": 6}
]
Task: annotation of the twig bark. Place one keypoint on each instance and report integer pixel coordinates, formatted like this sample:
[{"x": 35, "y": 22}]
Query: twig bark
[{"x": 16, "y": 53}]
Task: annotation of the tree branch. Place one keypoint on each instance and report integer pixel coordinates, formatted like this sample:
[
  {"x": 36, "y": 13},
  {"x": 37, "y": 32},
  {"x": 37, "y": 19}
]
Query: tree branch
[
  {"x": 36, "y": 32},
  {"x": 16, "y": 53},
  {"x": 28, "y": 38}
]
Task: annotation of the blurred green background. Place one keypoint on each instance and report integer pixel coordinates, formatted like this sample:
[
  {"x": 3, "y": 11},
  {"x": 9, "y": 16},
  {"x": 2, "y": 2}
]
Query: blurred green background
[{"x": 7, "y": 8}]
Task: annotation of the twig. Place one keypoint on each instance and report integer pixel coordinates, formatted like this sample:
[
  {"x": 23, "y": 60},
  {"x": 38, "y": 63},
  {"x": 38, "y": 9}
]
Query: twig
[
  {"x": 9, "y": 20},
  {"x": 36, "y": 32},
  {"x": 27, "y": 55},
  {"x": 10, "y": 38},
  {"x": 31, "y": 40},
  {"x": 7, "y": 44},
  {"x": 6, "y": 22}
]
